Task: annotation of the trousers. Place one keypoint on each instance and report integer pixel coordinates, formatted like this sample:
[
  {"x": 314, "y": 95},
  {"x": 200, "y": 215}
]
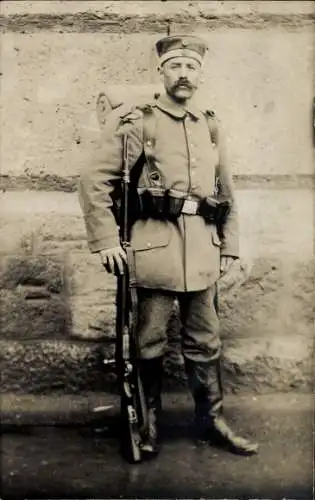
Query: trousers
[{"x": 200, "y": 338}]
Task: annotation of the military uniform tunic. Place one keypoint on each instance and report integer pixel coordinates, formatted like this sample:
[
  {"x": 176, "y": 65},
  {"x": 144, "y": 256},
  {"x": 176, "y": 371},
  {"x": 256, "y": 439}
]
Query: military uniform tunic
[{"x": 177, "y": 256}]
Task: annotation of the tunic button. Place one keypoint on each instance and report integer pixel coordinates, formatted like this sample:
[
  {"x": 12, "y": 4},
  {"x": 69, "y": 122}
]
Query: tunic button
[{"x": 148, "y": 244}]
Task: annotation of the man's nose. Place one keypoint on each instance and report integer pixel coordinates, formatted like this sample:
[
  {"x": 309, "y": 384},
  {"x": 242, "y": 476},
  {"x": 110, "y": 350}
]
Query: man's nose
[{"x": 183, "y": 72}]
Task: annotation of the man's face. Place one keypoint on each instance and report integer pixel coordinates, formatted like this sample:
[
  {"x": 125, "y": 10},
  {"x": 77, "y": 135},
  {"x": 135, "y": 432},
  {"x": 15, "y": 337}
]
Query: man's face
[{"x": 181, "y": 76}]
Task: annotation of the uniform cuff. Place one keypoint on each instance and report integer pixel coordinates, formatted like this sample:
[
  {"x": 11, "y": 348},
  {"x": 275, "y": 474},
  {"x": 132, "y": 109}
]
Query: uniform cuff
[
  {"x": 103, "y": 244},
  {"x": 229, "y": 252}
]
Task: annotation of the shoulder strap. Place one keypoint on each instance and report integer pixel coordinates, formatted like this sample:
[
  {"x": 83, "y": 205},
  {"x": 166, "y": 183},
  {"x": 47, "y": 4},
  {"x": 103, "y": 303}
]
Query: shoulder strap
[
  {"x": 149, "y": 129},
  {"x": 154, "y": 176},
  {"x": 214, "y": 132},
  {"x": 212, "y": 125}
]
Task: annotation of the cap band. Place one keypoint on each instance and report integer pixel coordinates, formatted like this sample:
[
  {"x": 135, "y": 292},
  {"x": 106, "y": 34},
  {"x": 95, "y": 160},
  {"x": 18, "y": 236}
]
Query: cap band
[{"x": 181, "y": 53}]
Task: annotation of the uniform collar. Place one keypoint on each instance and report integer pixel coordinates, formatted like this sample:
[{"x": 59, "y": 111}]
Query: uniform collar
[{"x": 165, "y": 103}]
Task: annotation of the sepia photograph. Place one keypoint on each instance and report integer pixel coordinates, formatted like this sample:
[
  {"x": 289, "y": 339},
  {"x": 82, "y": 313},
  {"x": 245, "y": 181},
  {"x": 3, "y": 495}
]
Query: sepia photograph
[{"x": 157, "y": 271}]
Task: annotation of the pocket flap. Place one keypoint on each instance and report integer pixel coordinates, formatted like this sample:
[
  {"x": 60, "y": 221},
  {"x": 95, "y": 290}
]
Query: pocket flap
[{"x": 150, "y": 234}]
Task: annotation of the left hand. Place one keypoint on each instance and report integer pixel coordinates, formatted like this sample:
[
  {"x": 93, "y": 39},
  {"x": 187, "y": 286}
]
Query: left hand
[{"x": 225, "y": 264}]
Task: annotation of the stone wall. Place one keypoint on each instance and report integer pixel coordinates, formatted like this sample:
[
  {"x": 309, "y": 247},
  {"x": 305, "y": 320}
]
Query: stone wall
[{"x": 259, "y": 77}]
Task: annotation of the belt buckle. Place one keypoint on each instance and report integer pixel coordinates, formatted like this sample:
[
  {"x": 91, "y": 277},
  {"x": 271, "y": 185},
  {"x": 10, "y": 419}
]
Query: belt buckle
[{"x": 190, "y": 207}]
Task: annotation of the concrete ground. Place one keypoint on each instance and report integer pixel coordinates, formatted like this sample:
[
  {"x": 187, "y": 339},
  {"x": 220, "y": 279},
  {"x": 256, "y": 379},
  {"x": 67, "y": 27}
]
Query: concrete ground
[{"x": 56, "y": 447}]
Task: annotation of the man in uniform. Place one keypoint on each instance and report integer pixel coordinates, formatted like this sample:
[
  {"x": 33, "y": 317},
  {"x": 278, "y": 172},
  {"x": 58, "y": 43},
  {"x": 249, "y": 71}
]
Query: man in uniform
[{"x": 179, "y": 252}]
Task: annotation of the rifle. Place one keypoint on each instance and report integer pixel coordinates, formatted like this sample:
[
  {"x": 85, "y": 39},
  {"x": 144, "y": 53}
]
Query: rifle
[{"x": 133, "y": 412}]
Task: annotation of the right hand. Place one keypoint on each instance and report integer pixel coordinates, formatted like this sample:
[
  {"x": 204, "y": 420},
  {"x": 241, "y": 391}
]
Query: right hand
[{"x": 114, "y": 260}]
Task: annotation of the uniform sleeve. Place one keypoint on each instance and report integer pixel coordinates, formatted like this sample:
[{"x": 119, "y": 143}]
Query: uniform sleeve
[
  {"x": 230, "y": 241},
  {"x": 97, "y": 182}
]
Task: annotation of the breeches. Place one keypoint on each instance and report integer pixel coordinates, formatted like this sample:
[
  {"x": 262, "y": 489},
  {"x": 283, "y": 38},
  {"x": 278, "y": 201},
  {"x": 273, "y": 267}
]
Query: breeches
[{"x": 200, "y": 324}]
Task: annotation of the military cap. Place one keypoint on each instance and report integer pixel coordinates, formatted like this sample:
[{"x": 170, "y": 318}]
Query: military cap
[{"x": 181, "y": 45}]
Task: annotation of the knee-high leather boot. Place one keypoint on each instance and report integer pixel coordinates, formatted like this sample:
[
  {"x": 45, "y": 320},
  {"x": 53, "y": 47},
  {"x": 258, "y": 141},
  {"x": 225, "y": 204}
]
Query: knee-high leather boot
[
  {"x": 151, "y": 371},
  {"x": 204, "y": 380}
]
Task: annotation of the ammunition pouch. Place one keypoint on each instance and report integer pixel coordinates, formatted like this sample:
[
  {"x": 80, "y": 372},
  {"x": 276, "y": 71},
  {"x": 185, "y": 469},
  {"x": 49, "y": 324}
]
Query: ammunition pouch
[
  {"x": 215, "y": 209},
  {"x": 175, "y": 203},
  {"x": 158, "y": 203},
  {"x": 152, "y": 202}
]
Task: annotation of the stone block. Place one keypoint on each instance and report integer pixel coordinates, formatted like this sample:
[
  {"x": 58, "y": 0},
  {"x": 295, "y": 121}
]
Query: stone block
[
  {"x": 275, "y": 222},
  {"x": 34, "y": 299},
  {"x": 41, "y": 367},
  {"x": 50, "y": 83},
  {"x": 48, "y": 216},
  {"x": 276, "y": 298},
  {"x": 158, "y": 8},
  {"x": 92, "y": 297},
  {"x": 281, "y": 363}
]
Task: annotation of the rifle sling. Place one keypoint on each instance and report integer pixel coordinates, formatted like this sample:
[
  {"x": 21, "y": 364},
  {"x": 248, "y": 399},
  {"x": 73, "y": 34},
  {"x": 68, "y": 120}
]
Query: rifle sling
[{"x": 132, "y": 289}]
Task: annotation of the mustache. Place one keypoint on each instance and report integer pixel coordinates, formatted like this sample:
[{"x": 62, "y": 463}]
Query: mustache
[{"x": 184, "y": 83}]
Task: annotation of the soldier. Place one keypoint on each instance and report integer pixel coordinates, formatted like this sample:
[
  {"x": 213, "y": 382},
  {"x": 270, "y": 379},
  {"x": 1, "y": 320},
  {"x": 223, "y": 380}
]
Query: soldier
[{"x": 179, "y": 252}]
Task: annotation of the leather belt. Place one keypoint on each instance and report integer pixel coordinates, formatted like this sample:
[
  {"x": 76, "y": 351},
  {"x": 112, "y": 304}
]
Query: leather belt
[{"x": 162, "y": 204}]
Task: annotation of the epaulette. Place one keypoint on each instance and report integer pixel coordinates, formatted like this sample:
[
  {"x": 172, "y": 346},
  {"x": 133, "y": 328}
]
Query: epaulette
[
  {"x": 128, "y": 112},
  {"x": 146, "y": 108},
  {"x": 130, "y": 116},
  {"x": 141, "y": 110},
  {"x": 127, "y": 119}
]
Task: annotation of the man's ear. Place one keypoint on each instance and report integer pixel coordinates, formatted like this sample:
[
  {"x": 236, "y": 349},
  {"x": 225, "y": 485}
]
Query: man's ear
[
  {"x": 201, "y": 77},
  {"x": 160, "y": 72}
]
